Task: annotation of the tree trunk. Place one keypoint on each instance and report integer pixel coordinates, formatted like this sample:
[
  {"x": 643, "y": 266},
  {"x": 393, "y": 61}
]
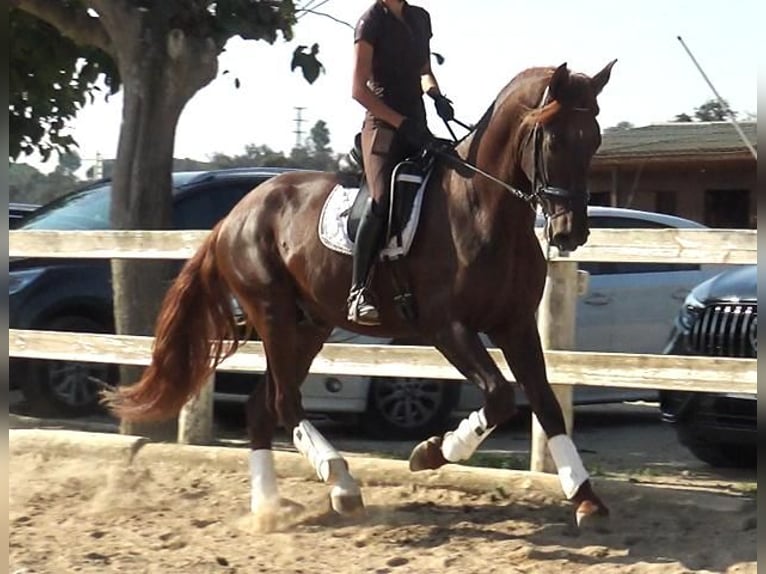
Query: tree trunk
[{"x": 161, "y": 70}]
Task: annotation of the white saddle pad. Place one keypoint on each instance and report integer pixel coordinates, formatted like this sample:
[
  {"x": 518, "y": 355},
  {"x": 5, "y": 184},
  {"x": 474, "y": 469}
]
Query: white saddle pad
[{"x": 333, "y": 223}]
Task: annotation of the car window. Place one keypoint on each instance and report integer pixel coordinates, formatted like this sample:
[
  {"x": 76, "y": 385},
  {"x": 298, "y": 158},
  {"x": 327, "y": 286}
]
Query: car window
[
  {"x": 204, "y": 207},
  {"x": 85, "y": 209},
  {"x": 619, "y": 267}
]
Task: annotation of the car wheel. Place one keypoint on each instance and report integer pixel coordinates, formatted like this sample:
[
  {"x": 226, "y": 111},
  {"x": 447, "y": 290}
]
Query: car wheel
[
  {"x": 64, "y": 388},
  {"x": 409, "y": 408}
]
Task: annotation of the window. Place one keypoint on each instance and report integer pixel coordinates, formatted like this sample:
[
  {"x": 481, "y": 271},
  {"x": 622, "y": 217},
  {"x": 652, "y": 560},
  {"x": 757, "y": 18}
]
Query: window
[
  {"x": 202, "y": 208},
  {"x": 727, "y": 208},
  {"x": 85, "y": 209},
  {"x": 619, "y": 267}
]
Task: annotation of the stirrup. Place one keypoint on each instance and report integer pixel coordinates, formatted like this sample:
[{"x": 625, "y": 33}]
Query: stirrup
[{"x": 361, "y": 310}]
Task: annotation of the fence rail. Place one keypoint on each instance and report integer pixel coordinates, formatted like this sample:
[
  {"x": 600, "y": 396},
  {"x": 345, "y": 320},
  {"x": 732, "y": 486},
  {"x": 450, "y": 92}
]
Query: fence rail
[
  {"x": 720, "y": 246},
  {"x": 555, "y": 316},
  {"x": 705, "y": 374}
]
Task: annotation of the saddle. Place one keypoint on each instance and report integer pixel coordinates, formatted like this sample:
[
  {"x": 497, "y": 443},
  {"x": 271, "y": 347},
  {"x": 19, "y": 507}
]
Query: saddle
[{"x": 345, "y": 205}]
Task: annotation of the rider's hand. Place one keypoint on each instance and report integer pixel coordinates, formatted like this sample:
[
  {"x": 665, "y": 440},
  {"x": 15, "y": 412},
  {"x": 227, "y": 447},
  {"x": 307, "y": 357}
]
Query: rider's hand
[
  {"x": 415, "y": 134},
  {"x": 444, "y": 107}
]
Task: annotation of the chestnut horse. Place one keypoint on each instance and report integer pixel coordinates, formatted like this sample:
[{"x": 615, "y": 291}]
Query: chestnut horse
[{"x": 475, "y": 266}]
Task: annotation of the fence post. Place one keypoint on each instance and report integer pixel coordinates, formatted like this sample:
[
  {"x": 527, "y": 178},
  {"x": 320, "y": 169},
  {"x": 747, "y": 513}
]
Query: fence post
[
  {"x": 556, "y": 323},
  {"x": 195, "y": 421}
]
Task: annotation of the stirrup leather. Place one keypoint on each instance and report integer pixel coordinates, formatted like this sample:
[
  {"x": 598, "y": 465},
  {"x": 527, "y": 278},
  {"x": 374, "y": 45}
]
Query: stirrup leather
[{"x": 361, "y": 310}]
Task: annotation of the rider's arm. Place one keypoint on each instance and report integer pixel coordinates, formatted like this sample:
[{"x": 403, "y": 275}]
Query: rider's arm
[
  {"x": 428, "y": 81},
  {"x": 361, "y": 92}
]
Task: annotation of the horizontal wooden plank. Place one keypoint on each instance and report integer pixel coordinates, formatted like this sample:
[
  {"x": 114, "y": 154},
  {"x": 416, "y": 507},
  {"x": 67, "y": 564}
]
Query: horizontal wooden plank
[
  {"x": 564, "y": 367},
  {"x": 717, "y": 246},
  {"x": 105, "y": 244}
]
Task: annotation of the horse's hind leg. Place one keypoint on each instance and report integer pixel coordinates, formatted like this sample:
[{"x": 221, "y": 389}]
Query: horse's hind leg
[
  {"x": 524, "y": 355},
  {"x": 261, "y": 424},
  {"x": 290, "y": 348}
]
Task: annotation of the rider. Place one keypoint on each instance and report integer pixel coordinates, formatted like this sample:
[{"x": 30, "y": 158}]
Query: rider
[{"x": 392, "y": 70}]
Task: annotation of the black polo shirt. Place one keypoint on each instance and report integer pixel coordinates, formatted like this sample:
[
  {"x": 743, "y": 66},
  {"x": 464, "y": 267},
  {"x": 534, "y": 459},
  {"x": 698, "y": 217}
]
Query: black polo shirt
[{"x": 400, "y": 50}]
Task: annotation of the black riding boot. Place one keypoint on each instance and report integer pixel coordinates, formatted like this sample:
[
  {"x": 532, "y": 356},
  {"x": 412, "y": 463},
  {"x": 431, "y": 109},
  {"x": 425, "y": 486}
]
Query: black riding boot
[{"x": 368, "y": 242}]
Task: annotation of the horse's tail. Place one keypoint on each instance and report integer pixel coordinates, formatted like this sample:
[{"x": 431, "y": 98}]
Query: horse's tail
[{"x": 196, "y": 330}]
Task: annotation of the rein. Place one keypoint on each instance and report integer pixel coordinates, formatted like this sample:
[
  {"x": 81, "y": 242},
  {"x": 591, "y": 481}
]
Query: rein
[{"x": 541, "y": 188}]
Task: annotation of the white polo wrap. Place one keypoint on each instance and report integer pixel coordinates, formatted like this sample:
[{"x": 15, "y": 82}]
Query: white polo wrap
[
  {"x": 311, "y": 444},
  {"x": 571, "y": 471},
  {"x": 263, "y": 480},
  {"x": 461, "y": 443}
]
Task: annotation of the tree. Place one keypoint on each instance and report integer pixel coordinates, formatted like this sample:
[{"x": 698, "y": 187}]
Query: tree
[
  {"x": 26, "y": 184},
  {"x": 682, "y": 118},
  {"x": 69, "y": 162},
  {"x": 714, "y": 111},
  {"x": 165, "y": 52},
  {"x": 51, "y": 78},
  {"x": 620, "y": 127}
]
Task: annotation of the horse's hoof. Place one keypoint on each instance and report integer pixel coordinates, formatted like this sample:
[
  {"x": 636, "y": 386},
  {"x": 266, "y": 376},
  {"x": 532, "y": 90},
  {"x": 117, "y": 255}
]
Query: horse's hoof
[
  {"x": 346, "y": 500},
  {"x": 265, "y": 515},
  {"x": 427, "y": 455},
  {"x": 592, "y": 516}
]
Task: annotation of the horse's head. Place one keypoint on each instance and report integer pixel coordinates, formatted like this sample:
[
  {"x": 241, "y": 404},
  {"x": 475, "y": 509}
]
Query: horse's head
[{"x": 562, "y": 137}]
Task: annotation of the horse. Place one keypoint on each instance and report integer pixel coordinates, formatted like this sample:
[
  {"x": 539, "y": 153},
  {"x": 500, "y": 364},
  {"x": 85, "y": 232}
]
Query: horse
[{"x": 476, "y": 266}]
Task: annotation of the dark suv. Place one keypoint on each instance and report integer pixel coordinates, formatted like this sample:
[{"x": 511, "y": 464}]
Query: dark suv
[
  {"x": 719, "y": 318},
  {"x": 76, "y": 295}
]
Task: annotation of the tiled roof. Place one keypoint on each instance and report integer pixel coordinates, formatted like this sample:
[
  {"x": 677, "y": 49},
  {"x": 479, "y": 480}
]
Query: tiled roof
[{"x": 682, "y": 138}]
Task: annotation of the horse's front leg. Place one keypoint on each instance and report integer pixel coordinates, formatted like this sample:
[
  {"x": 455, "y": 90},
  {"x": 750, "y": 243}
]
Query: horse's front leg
[
  {"x": 465, "y": 350},
  {"x": 524, "y": 354}
]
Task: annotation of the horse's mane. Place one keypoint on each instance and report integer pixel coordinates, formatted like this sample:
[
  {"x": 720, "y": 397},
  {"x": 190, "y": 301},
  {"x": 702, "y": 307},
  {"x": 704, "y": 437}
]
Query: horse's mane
[{"x": 532, "y": 112}]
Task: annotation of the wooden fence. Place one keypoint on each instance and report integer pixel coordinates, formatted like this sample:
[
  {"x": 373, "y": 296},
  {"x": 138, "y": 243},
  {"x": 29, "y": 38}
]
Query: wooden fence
[{"x": 556, "y": 319}]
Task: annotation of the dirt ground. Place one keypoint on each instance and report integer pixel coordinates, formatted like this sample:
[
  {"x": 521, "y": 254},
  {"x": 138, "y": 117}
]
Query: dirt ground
[{"x": 84, "y": 512}]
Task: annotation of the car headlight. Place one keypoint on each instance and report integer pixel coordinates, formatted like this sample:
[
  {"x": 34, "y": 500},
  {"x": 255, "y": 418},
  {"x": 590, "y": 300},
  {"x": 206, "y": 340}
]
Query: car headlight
[
  {"x": 690, "y": 311},
  {"x": 18, "y": 280}
]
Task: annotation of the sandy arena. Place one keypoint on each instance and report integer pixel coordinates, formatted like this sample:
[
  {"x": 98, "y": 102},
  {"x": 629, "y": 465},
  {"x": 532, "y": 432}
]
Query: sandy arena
[{"x": 81, "y": 502}]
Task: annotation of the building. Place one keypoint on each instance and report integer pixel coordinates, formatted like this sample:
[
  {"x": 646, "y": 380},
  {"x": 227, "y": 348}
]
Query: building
[{"x": 698, "y": 170}]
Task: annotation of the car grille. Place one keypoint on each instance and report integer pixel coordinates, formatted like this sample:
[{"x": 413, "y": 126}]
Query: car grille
[{"x": 726, "y": 330}]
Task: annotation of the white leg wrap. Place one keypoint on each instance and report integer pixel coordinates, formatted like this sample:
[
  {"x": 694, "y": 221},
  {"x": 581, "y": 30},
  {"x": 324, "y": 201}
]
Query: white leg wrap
[
  {"x": 263, "y": 481},
  {"x": 311, "y": 444},
  {"x": 572, "y": 473},
  {"x": 461, "y": 443}
]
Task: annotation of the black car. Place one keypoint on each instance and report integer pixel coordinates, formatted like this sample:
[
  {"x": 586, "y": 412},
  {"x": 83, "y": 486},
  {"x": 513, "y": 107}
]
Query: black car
[
  {"x": 75, "y": 294},
  {"x": 719, "y": 318}
]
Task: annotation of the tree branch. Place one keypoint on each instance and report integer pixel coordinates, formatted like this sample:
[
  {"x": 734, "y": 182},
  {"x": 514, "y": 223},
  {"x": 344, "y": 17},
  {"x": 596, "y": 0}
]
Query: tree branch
[
  {"x": 74, "y": 24},
  {"x": 324, "y": 15}
]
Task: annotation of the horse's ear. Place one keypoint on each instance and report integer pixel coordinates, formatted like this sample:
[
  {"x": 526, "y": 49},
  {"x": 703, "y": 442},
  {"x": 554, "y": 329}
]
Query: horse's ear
[
  {"x": 599, "y": 80},
  {"x": 559, "y": 81}
]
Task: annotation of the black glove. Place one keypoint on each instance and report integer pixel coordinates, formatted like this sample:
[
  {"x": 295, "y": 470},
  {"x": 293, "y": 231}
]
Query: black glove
[
  {"x": 444, "y": 107},
  {"x": 415, "y": 134}
]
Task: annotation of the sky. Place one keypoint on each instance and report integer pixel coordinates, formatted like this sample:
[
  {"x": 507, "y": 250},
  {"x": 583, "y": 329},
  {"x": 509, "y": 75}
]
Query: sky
[{"x": 485, "y": 43}]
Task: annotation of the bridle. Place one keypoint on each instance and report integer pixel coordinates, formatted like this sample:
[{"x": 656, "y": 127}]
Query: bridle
[{"x": 542, "y": 192}]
